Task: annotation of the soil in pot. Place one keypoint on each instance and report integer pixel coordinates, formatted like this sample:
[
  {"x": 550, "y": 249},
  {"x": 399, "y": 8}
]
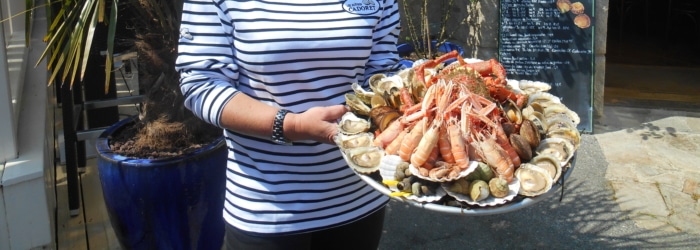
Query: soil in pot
[{"x": 161, "y": 139}]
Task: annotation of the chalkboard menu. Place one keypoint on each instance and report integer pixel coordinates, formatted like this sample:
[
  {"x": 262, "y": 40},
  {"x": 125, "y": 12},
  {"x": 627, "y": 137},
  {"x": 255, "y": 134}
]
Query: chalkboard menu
[{"x": 551, "y": 41}]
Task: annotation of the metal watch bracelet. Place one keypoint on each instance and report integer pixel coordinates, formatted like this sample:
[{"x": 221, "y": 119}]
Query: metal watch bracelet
[{"x": 277, "y": 128}]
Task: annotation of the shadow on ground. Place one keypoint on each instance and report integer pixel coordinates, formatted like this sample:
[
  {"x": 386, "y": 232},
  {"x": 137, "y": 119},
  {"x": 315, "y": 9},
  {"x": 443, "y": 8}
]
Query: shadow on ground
[{"x": 587, "y": 217}]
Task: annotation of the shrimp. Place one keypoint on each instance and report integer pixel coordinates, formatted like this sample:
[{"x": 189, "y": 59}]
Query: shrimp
[
  {"x": 389, "y": 134},
  {"x": 458, "y": 146},
  {"x": 393, "y": 147},
  {"x": 426, "y": 145},
  {"x": 411, "y": 140},
  {"x": 497, "y": 158},
  {"x": 445, "y": 146}
]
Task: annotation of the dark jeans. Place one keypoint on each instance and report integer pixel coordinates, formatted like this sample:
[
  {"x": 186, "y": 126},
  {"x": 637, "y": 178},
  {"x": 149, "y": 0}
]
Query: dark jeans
[{"x": 361, "y": 234}]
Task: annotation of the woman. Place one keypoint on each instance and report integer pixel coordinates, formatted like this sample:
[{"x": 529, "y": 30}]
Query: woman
[{"x": 273, "y": 75}]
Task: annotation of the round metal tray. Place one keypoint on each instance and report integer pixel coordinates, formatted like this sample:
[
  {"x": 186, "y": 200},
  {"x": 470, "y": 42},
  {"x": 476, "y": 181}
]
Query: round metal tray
[{"x": 519, "y": 202}]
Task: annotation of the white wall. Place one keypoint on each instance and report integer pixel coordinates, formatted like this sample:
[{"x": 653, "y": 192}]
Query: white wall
[{"x": 27, "y": 201}]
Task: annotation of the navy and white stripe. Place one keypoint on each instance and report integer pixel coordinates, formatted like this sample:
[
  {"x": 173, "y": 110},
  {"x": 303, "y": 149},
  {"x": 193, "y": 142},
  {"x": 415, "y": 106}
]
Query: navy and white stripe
[{"x": 294, "y": 55}]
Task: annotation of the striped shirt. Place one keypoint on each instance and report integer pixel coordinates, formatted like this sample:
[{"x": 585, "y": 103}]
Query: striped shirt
[{"x": 293, "y": 55}]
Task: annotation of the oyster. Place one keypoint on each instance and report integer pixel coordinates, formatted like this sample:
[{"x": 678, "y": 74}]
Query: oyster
[
  {"x": 382, "y": 84},
  {"x": 364, "y": 159},
  {"x": 356, "y": 105},
  {"x": 548, "y": 163},
  {"x": 560, "y": 148},
  {"x": 351, "y": 124},
  {"x": 531, "y": 87},
  {"x": 361, "y": 93},
  {"x": 543, "y": 98},
  {"x": 345, "y": 141},
  {"x": 560, "y": 121},
  {"x": 555, "y": 110},
  {"x": 534, "y": 180},
  {"x": 569, "y": 134}
]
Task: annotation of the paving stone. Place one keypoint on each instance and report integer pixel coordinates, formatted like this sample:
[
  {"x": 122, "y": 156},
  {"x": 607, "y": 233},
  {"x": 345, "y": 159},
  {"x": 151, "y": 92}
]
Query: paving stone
[
  {"x": 640, "y": 198},
  {"x": 654, "y": 223},
  {"x": 686, "y": 222}
]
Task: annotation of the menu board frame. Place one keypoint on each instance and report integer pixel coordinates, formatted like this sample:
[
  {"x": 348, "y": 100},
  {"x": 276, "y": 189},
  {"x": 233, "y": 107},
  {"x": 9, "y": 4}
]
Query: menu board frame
[{"x": 552, "y": 41}]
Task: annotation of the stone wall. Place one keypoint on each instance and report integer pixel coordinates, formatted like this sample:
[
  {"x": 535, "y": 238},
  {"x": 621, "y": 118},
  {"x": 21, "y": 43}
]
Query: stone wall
[{"x": 475, "y": 26}]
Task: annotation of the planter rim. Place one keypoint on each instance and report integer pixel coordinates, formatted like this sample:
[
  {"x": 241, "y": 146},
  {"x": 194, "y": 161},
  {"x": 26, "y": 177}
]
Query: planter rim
[{"x": 103, "y": 149}]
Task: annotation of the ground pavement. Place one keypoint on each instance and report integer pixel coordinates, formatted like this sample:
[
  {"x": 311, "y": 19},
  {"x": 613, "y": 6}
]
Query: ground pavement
[{"x": 634, "y": 185}]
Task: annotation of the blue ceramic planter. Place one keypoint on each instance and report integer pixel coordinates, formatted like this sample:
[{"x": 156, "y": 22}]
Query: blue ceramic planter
[
  {"x": 407, "y": 48},
  {"x": 174, "y": 203}
]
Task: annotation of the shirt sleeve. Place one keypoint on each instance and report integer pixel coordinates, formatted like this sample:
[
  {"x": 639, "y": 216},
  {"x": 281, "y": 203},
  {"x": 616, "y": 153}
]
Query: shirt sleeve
[
  {"x": 205, "y": 61},
  {"x": 384, "y": 57}
]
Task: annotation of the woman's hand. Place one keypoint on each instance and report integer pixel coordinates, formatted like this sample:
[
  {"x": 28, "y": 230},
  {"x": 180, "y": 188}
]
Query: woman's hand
[{"x": 318, "y": 124}]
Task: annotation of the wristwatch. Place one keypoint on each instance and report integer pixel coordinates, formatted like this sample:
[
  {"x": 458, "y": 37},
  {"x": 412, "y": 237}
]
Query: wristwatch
[{"x": 277, "y": 128}]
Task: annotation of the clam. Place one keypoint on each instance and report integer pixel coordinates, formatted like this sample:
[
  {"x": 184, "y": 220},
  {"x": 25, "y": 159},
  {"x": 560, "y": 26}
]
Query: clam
[
  {"x": 534, "y": 180},
  {"x": 356, "y": 105},
  {"x": 512, "y": 112},
  {"x": 364, "y": 159},
  {"x": 351, "y": 124},
  {"x": 345, "y": 141},
  {"x": 530, "y": 132},
  {"x": 548, "y": 163},
  {"x": 560, "y": 148},
  {"x": 537, "y": 119},
  {"x": 383, "y": 116},
  {"x": 522, "y": 146}
]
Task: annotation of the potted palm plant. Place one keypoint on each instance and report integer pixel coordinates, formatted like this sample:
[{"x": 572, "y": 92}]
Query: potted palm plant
[
  {"x": 426, "y": 36},
  {"x": 163, "y": 171}
]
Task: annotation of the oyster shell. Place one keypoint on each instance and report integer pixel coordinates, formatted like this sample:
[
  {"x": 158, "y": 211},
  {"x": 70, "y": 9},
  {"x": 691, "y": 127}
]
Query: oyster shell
[
  {"x": 556, "y": 110},
  {"x": 569, "y": 134},
  {"x": 382, "y": 84},
  {"x": 361, "y": 93},
  {"x": 531, "y": 87},
  {"x": 351, "y": 124},
  {"x": 560, "y": 121},
  {"x": 560, "y": 148},
  {"x": 543, "y": 98},
  {"x": 548, "y": 163},
  {"x": 345, "y": 141},
  {"x": 364, "y": 160},
  {"x": 356, "y": 105},
  {"x": 534, "y": 180}
]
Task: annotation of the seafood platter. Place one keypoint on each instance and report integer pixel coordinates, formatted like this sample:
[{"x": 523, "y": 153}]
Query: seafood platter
[{"x": 459, "y": 137}]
